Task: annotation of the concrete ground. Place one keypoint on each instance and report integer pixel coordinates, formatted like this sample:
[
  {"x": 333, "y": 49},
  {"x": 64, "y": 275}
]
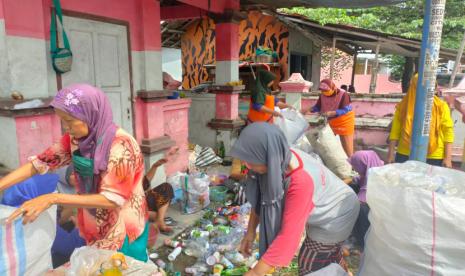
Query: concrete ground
[{"x": 184, "y": 221}]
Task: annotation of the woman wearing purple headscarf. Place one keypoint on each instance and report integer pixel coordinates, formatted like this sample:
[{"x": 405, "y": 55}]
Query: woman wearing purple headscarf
[
  {"x": 108, "y": 172},
  {"x": 361, "y": 162}
]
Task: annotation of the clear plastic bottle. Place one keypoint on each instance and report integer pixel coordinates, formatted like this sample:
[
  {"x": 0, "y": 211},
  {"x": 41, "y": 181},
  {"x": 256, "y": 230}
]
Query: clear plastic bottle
[
  {"x": 174, "y": 254},
  {"x": 227, "y": 263},
  {"x": 235, "y": 257}
]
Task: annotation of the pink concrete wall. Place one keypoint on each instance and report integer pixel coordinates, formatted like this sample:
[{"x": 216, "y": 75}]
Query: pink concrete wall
[
  {"x": 363, "y": 108},
  {"x": 176, "y": 113},
  {"x": 35, "y": 134},
  {"x": 362, "y": 82},
  {"x": 22, "y": 18},
  {"x": 371, "y": 136},
  {"x": 1, "y": 9},
  {"x": 165, "y": 117}
]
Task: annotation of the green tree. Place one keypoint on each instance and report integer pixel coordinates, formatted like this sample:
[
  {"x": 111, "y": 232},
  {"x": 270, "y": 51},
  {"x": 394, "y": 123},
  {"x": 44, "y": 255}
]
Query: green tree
[{"x": 404, "y": 19}]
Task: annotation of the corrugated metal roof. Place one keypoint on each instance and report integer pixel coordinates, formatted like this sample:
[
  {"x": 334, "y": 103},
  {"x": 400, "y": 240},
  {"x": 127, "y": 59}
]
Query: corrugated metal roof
[{"x": 349, "y": 38}]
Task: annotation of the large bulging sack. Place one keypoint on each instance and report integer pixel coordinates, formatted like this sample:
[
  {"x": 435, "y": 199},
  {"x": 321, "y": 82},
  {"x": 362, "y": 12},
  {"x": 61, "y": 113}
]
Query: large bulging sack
[
  {"x": 293, "y": 124},
  {"x": 25, "y": 249},
  {"x": 329, "y": 148},
  {"x": 417, "y": 221}
]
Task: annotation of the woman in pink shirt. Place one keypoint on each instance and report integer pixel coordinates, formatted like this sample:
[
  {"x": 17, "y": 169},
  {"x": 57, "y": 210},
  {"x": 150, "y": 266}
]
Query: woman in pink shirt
[{"x": 281, "y": 191}]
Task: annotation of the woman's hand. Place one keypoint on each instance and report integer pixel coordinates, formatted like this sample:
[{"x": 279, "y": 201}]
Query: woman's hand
[
  {"x": 391, "y": 159},
  {"x": 31, "y": 209},
  {"x": 392, "y": 152},
  {"x": 330, "y": 114},
  {"x": 277, "y": 114},
  {"x": 160, "y": 162},
  {"x": 246, "y": 244},
  {"x": 447, "y": 163}
]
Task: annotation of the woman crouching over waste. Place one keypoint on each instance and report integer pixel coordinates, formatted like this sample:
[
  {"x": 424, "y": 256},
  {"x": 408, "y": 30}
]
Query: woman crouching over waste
[
  {"x": 109, "y": 169},
  {"x": 289, "y": 192}
]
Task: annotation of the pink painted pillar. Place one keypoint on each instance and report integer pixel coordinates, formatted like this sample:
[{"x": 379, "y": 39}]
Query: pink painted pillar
[
  {"x": 227, "y": 66},
  {"x": 227, "y": 106}
]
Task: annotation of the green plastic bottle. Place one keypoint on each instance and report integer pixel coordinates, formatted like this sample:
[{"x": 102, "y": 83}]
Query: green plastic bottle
[
  {"x": 235, "y": 271},
  {"x": 221, "y": 150}
]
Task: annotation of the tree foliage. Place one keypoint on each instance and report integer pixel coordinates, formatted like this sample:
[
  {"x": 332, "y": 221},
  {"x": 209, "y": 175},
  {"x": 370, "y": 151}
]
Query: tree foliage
[
  {"x": 404, "y": 19},
  {"x": 342, "y": 61}
]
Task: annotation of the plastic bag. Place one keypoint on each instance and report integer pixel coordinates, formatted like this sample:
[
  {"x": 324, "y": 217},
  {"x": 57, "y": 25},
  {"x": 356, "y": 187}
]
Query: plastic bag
[
  {"x": 196, "y": 193},
  {"x": 25, "y": 249},
  {"x": 329, "y": 148},
  {"x": 417, "y": 221},
  {"x": 293, "y": 124},
  {"x": 304, "y": 145},
  {"x": 86, "y": 261},
  {"x": 330, "y": 270}
]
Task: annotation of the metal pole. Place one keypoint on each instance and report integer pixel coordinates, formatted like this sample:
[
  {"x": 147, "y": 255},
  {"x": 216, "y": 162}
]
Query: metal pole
[
  {"x": 457, "y": 62},
  {"x": 354, "y": 67},
  {"x": 333, "y": 54},
  {"x": 430, "y": 45},
  {"x": 374, "y": 71}
]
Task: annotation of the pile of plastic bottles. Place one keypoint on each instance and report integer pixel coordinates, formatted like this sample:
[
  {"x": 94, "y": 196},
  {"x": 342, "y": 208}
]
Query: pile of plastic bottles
[{"x": 214, "y": 241}]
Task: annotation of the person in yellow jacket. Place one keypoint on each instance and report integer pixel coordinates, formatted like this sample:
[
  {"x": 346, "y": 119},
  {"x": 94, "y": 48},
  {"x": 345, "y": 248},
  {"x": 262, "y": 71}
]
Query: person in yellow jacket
[{"x": 441, "y": 134}]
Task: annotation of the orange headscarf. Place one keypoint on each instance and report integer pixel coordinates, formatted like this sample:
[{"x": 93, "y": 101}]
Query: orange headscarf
[{"x": 406, "y": 109}]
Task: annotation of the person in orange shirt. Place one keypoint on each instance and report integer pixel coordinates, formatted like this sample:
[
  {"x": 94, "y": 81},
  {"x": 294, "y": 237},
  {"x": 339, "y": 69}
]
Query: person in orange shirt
[
  {"x": 262, "y": 103},
  {"x": 334, "y": 103}
]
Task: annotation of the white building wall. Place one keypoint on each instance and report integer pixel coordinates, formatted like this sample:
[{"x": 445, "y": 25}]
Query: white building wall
[{"x": 171, "y": 62}]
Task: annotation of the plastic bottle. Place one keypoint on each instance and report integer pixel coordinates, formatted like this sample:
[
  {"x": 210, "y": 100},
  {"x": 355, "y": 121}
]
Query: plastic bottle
[
  {"x": 191, "y": 270},
  {"x": 235, "y": 272},
  {"x": 209, "y": 227},
  {"x": 160, "y": 263},
  {"x": 196, "y": 269},
  {"x": 217, "y": 269},
  {"x": 227, "y": 263},
  {"x": 174, "y": 254},
  {"x": 199, "y": 234},
  {"x": 221, "y": 150},
  {"x": 171, "y": 243},
  {"x": 235, "y": 257},
  {"x": 153, "y": 256},
  {"x": 224, "y": 229},
  {"x": 169, "y": 268},
  {"x": 214, "y": 259}
]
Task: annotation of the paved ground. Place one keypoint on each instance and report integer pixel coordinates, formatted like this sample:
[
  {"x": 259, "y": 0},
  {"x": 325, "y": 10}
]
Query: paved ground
[{"x": 184, "y": 221}]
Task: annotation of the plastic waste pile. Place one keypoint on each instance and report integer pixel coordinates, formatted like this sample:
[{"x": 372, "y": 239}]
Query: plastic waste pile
[
  {"x": 99, "y": 262},
  {"x": 214, "y": 242}
]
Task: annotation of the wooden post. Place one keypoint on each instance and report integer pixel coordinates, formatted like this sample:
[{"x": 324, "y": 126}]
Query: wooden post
[
  {"x": 374, "y": 71},
  {"x": 457, "y": 62},
  {"x": 365, "y": 71},
  {"x": 333, "y": 54},
  {"x": 352, "y": 80}
]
